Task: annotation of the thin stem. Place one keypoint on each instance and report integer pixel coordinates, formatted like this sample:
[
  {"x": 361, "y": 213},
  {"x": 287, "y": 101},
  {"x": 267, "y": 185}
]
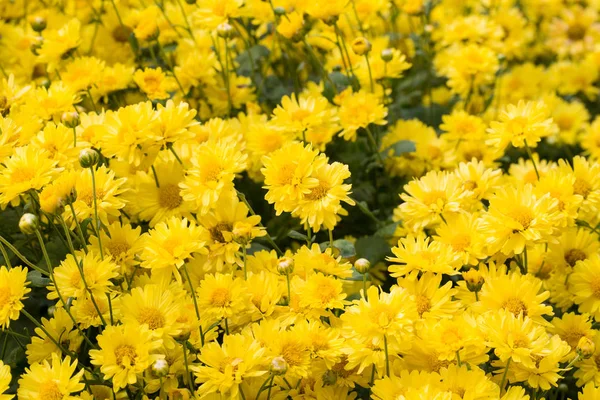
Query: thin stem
[
  {"x": 187, "y": 368},
  {"x": 262, "y": 387},
  {"x": 532, "y": 160},
  {"x": 331, "y": 239},
  {"x": 458, "y": 358},
  {"x": 370, "y": 74},
  {"x": 270, "y": 387},
  {"x": 170, "y": 147},
  {"x": 79, "y": 231},
  {"x": 289, "y": 291},
  {"x": 365, "y": 285},
  {"x": 525, "y": 261},
  {"x": 504, "y": 376},
  {"x": 244, "y": 257},
  {"x": 321, "y": 67},
  {"x": 155, "y": 176},
  {"x": 97, "y": 220},
  {"x": 75, "y": 131},
  {"x": 387, "y": 357},
  {"x": 22, "y": 257},
  {"x": 187, "y": 24},
  {"x": 5, "y": 256},
  {"x": 374, "y": 144},
  {"x": 267, "y": 236},
  {"x": 308, "y": 235},
  {"x": 193, "y": 292}
]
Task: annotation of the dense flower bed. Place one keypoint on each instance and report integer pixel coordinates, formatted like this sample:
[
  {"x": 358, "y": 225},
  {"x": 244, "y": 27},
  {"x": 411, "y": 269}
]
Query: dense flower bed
[{"x": 286, "y": 199}]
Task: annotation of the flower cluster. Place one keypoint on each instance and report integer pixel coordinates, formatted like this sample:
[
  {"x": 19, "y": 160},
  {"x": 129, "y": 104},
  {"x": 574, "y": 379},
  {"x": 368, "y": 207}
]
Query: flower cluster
[{"x": 270, "y": 200}]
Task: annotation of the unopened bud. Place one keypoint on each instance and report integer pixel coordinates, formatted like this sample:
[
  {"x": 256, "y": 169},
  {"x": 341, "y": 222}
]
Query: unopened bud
[
  {"x": 329, "y": 378},
  {"x": 38, "y": 23},
  {"x": 70, "y": 119},
  {"x": 474, "y": 280},
  {"x": 285, "y": 266},
  {"x": 362, "y": 265},
  {"x": 361, "y": 46},
  {"x": 586, "y": 347},
  {"x": 279, "y": 11},
  {"x": 225, "y": 30},
  {"x": 387, "y": 55},
  {"x": 279, "y": 366},
  {"x": 29, "y": 223},
  {"x": 88, "y": 158},
  {"x": 160, "y": 368},
  {"x": 190, "y": 2},
  {"x": 242, "y": 232},
  {"x": 36, "y": 45},
  {"x": 183, "y": 336}
]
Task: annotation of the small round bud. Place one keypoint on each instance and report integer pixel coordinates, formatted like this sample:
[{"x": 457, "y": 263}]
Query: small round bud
[
  {"x": 242, "y": 232},
  {"x": 563, "y": 388},
  {"x": 190, "y": 2},
  {"x": 183, "y": 336},
  {"x": 586, "y": 347},
  {"x": 88, "y": 158},
  {"x": 43, "y": 82},
  {"x": 29, "y": 223},
  {"x": 160, "y": 368},
  {"x": 474, "y": 280},
  {"x": 285, "y": 266},
  {"x": 225, "y": 30},
  {"x": 51, "y": 310},
  {"x": 38, "y": 23},
  {"x": 279, "y": 366},
  {"x": 36, "y": 45},
  {"x": 387, "y": 55},
  {"x": 280, "y": 11},
  {"x": 361, "y": 46},
  {"x": 362, "y": 265},
  {"x": 70, "y": 119}
]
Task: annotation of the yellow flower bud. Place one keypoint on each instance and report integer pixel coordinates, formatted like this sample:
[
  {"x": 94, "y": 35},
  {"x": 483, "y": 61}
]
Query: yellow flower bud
[
  {"x": 387, "y": 55},
  {"x": 586, "y": 347},
  {"x": 38, "y": 23},
  {"x": 29, "y": 223},
  {"x": 225, "y": 30},
  {"x": 160, "y": 368},
  {"x": 474, "y": 280},
  {"x": 285, "y": 266},
  {"x": 362, "y": 265},
  {"x": 279, "y": 366},
  {"x": 70, "y": 119},
  {"x": 88, "y": 158},
  {"x": 361, "y": 46}
]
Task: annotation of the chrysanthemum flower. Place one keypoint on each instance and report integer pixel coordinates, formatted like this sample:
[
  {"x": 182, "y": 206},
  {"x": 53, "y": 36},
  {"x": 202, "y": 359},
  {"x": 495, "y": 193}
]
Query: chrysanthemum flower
[
  {"x": 300, "y": 116},
  {"x": 121, "y": 244},
  {"x": 170, "y": 244},
  {"x": 97, "y": 273},
  {"x": 56, "y": 380},
  {"x": 359, "y": 110},
  {"x": 221, "y": 296},
  {"x": 584, "y": 286},
  {"x": 308, "y": 260},
  {"x": 224, "y": 367},
  {"x": 13, "y": 289},
  {"x": 28, "y": 168},
  {"x": 5, "y": 378},
  {"x": 154, "y": 83},
  {"x": 522, "y": 125},
  {"x": 125, "y": 353},
  {"x": 421, "y": 254},
  {"x": 433, "y": 300},
  {"x": 61, "y": 329}
]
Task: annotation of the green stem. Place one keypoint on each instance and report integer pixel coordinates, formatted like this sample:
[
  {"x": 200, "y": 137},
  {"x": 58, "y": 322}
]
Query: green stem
[
  {"x": 370, "y": 74},
  {"x": 289, "y": 291},
  {"x": 78, "y": 227},
  {"x": 374, "y": 144},
  {"x": 331, "y": 239},
  {"x": 193, "y": 293},
  {"x": 242, "y": 197},
  {"x": 187, "y": 368},
  {"x": 22, "y": 257},
  {"x": 504, "y": 376},
  {"x": 155, "y": 176},
  {"x": 532, "y": 160},
  {"x": 97, "y": 220},
  {"x": 387, "y": 357},
  {"x": 458, "y": 358},
  {"x": 245, "y": 267},
  {"x": 5, "y": 256}
]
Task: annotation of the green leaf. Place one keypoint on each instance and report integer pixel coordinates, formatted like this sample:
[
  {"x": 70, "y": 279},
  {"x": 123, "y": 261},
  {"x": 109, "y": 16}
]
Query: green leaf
[
  {"x": 297, "y": 235},
  {"x": 257, "y": 53},
  {"x": 36, "y": 279},
  {"x": 345, "y": 247},
  {"x": 373, "y": 248},
  {"x": 401, "y": 147}
]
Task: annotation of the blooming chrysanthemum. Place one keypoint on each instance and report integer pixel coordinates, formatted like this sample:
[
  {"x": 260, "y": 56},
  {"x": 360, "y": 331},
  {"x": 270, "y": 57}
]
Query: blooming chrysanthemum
[
  {"x": 55, "y": 380},
  {"x": 359, "y": 110},
  {"x": 13, "y": 289}
]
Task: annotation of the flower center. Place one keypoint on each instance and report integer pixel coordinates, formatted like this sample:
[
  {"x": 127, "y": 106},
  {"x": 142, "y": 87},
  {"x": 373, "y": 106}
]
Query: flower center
[
  {"x": 50, "y": 391},
  {"x": 216, "y": 233},
  {"x": 423, "y": 304},
  {"x": 576, "y": 32},
  {"x": 116, "y": 248},
  {"x": 292, "y": 353},
  {"x": 220, "y": 297},
  {"x": 152, "y": 317},
  {"x": 522, "y": 215},
  {"x": 4, "y": 296},
  {"x": 317, "y": 193},
  {"x": 574, "y": 255},
  {"x": 460, "y": 242},
  {"x": 582, "y": 187},
  {"x": 595, "y": 286},
  {"x": 125, "y": 355},
  {"x": 168, "y": 196},
  {"x": 434, "y": 197},
  {"x": 121, "y": 33},
  {"x": 22, "y": 174},
  {"x": 515, "y": 306}
]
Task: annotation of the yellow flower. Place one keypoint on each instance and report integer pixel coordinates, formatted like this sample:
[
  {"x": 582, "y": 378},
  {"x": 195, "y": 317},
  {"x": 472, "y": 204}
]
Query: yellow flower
[
  {"x": 359, "y": 110},
  {"x": 82, "y": 73},
  {"x": 154, "y": 308},
  {"x": 517, "y": 218},
  {"x": 153, "y": 82},
  {"x": 57, "y": 380},
  {"x": 225, "y": 367},
  {"x": 432, "y": 300},
  {"x": 468, "y": 383},
  {"x": 28, "y": 168},
  {"x": 214, "y": 166},
  {"x": 221, "y": 296},
  {"x": 571, "y": 328},
  {"x": 122, "y": 246},
  {"x": 108, "y": 200},
  {"x": 522, "y": 125},
  {"x": 61, "y": 329},
  {"x": 97, "y": 273},
  {"x": 322, "y": 292},
  {"x": 430, "y": 198},
  {"x": 170, "y": 244},
  {"x": 302, "y": 116},
  {"x": 13, "y": 289},
  {"x": 463, "y": 235},
  {"x": 321, "y": 206},
  {"x": 5, "y": 378},
  {"x": 584, "y": 286},
  {"x": 176, "y": 122},
  {"x": 288, "y": 175},
  {"x": 209, "y": 14},
  {"x": 461, "y": 126},
  {"x": 421, "y": 254},
  {"x": 125, "y": 353},
  {"x": 59, "y": 42},
  {"x": 56, "y": 140},
  {"x": 290, "y": 26},
  {"x": 308, "y": 260}
]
